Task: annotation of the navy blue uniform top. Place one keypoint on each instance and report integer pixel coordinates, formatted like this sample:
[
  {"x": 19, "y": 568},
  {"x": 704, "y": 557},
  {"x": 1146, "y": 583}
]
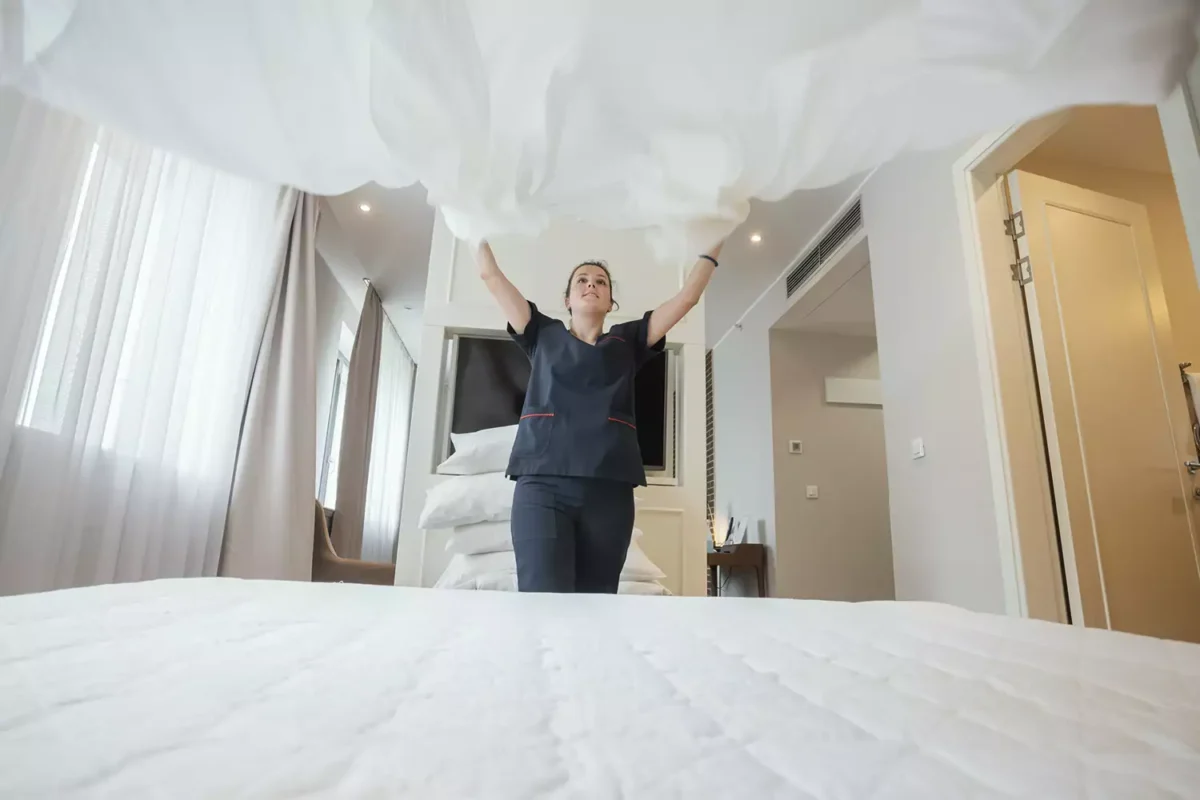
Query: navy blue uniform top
[{"x": 578, "y": 420}]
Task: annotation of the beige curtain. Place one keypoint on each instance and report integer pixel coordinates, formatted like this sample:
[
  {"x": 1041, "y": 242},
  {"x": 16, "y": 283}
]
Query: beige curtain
[
  {"x": 358, "y": 425},
  {"x": 269, "y": 529}
]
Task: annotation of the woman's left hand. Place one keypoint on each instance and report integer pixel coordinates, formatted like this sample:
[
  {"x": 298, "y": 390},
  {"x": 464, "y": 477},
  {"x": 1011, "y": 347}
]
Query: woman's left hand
[{"x": 668, "y": 315}]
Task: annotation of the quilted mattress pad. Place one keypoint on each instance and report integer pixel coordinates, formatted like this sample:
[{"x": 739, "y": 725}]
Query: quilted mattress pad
[{"x": 216, "y": 688}]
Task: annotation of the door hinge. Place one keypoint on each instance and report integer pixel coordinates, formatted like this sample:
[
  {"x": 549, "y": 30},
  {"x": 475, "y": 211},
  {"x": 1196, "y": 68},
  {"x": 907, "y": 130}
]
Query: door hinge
[
  {"x": 1014, "y": 226},
  {"x": 1022, "y": 272}
]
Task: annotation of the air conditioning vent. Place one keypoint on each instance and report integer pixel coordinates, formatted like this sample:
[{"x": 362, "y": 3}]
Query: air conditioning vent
[{"x": 843, "y": 229}]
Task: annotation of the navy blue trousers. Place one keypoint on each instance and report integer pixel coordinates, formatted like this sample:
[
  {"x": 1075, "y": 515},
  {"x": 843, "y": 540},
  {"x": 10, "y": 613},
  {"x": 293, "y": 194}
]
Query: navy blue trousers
[{"x": 571, "y": 534}]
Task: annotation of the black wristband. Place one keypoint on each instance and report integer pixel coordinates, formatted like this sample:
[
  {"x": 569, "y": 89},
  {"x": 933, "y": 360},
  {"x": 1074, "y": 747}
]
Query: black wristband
[{"x": 707, "y": 257}]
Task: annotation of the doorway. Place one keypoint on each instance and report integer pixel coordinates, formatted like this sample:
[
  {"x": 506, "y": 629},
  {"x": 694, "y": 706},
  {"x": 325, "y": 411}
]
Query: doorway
[
  {"x": 1092, "y": 308},
  {"x": 832, "y": 515}
]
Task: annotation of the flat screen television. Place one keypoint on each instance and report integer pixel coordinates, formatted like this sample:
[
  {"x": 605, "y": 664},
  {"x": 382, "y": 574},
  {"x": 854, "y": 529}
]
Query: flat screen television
[{"x": 491, "y": 375}]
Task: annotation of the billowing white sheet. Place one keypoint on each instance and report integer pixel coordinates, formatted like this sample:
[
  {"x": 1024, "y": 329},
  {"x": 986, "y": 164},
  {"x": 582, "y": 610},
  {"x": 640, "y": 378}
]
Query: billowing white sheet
[
  {"x": 212, "y": 688},
  {"x": 667, "y": 114}
]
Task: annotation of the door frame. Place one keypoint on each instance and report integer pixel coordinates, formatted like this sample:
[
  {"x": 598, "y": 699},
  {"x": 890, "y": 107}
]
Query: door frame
[{"x": 1028, "y": 536}]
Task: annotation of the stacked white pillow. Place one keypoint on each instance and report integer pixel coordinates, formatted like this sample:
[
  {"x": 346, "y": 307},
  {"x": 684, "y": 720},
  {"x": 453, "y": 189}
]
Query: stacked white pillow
[
  {"x": 480, "y": 452},
  {"x": 477, "y": 504},
  {"x": 468, "y": 500},
  {"x": 496, "y": 570}
]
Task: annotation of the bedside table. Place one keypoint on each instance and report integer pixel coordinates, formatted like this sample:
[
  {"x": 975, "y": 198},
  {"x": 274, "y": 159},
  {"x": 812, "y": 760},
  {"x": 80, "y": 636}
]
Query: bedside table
[{"x": 739, "y": 556}]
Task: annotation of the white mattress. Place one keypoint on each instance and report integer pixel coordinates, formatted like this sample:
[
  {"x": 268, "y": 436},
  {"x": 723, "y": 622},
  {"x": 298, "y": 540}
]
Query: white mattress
[{"x": 222, "y": 688}]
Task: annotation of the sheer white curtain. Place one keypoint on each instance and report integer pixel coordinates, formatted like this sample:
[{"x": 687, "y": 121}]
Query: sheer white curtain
[
  {"x": 143, "y": 281},
  {"x": 43, "y": 158},
  {"x": 389, "y": 447}
]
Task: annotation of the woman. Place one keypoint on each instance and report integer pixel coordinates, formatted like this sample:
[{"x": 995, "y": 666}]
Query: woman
[{"x": 576, "y": 458}]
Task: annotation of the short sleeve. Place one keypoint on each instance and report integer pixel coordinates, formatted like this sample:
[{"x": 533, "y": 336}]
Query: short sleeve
[
  {"x": 529, "y": 338},
  {"x": 636, "y": 333}
]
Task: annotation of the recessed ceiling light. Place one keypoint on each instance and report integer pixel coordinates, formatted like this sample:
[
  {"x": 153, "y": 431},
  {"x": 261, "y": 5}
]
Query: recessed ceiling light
[
  {"x": 364, "y": 207},
  {"x": 755, "y": 238}
]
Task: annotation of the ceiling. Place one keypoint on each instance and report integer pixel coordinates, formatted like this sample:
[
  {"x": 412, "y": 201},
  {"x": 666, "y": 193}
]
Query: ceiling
[
  {"x": 390, "y": 245},
  {"x": 1117, "y": 137},
  {"x": 849, "y": 311},
  {"x": 787, "y": 228}
]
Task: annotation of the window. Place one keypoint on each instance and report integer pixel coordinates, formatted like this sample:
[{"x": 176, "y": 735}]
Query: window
[
  {"x": 151, "y": 308},
  {"x": 36, "y": 412},
  {"x": 333, "y": 434},
  {"x": 141, "y": 284}
]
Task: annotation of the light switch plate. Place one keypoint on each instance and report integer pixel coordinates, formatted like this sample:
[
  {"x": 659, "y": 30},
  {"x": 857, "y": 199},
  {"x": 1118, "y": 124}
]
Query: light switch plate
[
  {"x": 812, "y": 493},
  {"x": 795, "y": 447},
  {"x": 918, "y": 448}
]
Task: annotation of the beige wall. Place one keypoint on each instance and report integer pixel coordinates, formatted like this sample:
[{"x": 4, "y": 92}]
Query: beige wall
[
  {"x": 1157, "y": 193},
  {"x": 837, "y": 547}
]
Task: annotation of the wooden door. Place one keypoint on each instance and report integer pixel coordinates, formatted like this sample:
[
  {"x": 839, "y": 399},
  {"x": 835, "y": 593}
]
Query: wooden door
[{"x": 1116, "y": 423}]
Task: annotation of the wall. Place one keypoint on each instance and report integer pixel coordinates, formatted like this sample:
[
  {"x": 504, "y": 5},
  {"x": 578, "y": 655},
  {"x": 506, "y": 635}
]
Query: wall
[
  {"x": 408, "y": 324},
  {"x": 1181, "y": 132},
  {"x": 672, "y": 517},
  {"x": 837, "y": 547},
  {"x": 334, "y": 308},
  {"x": 742, "y": 402},
  {"x": 1157, "y": 193},
  {"x": 945, "y": 545}
]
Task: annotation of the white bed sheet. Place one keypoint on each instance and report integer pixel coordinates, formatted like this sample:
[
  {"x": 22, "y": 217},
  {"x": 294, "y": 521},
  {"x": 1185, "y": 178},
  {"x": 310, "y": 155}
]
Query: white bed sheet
[
  {"x": 212, "y": 688},
  {"x": 667, "y": 116}
]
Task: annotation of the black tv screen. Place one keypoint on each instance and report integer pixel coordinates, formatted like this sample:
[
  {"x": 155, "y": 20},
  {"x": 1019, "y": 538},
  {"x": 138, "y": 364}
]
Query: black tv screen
[
  {"x": 650, "y": 406},
  {"x": 490, "y": 381}
]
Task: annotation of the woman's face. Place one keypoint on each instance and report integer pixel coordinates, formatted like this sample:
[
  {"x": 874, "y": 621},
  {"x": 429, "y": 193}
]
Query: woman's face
[{"x": 591, "y": 291}]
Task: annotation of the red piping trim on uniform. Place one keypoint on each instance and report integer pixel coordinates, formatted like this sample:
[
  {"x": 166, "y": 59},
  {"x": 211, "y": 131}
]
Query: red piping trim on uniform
[
  {"x": 531, "y": 416},
  {"x": 623, "y": 422},
  {"x": 618, "y": 338}
]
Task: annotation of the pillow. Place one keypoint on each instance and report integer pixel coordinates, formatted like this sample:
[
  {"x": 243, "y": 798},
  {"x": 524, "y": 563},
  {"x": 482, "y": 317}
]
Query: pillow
[
  {"x": 489, "y": 571},
  {"x": 479, "y": 452},
  {"x": 467, "y": 500},
  {"x": 638, "y": 566},
  {"x": 482, "y": 537},
  {"x": 642, "y": 587},
  {"x": 466, "y": 571},
  {"x": 493, "y": 582}
]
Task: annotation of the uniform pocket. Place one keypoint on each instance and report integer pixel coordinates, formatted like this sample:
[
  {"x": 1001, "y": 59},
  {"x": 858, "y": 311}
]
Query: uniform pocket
[{"x": 534, "y": 434}]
